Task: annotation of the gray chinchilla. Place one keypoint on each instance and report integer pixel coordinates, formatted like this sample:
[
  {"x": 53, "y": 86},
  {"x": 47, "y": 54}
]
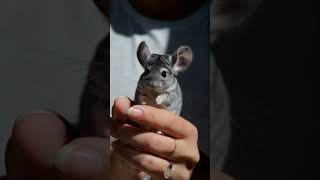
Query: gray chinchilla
[{"x": 158, "y": 85}]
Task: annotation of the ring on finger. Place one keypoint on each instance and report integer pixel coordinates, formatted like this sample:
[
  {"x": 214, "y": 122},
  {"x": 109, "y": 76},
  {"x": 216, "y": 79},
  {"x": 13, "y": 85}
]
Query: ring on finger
[{"x": 167, "y": 173}]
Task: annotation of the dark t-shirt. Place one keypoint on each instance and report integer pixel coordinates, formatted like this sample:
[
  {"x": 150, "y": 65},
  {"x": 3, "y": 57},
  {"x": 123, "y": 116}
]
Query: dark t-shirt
[{"x": 268, "y": 66}]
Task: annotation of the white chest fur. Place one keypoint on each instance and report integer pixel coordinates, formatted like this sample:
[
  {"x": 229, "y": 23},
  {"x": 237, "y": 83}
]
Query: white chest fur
[{"x": 160, "y": 101}]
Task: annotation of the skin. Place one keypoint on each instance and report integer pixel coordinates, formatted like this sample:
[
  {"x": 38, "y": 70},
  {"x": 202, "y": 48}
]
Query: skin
[
  {"x": 43, "y": 147},
  {"x": 153, "y": 148},
  {"x": 129, "y": 163}
]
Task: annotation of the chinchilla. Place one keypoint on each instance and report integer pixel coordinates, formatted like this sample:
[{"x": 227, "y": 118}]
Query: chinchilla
[{"x": 158, "y": 85}]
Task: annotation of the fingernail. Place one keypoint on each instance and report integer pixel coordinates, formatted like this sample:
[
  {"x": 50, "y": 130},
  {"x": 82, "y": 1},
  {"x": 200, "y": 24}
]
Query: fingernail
[{"x": 135, "y": 112}]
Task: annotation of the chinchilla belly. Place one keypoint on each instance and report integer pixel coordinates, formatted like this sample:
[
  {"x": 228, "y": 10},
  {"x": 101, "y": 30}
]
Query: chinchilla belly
[{"x": 171, "y": 100}]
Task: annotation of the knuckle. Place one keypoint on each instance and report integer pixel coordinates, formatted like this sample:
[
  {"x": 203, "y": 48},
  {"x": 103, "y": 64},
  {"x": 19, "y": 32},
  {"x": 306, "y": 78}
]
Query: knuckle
[
  {"x": 145, "y": 161},
  {"x": 193, "y": 131},
  {"x": 120, "y": 103},
  {"x": 193, "y": 160},
  {"x": 116, "y": 108},
  {"x": 152, "y": 143},
  {"x": 118, "y": 100},
  {"x": 196, "y": 158},
  {"x": 185, "y": 175},
  {"x": 149, "y": 114},
  {"x": 148, "y": 143},
  {"x": 171, "y": 122}
]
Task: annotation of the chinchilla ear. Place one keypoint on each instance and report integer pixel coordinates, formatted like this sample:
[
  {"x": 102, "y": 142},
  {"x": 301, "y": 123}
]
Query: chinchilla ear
[
  {"x": 181, "y": 59},
  {"x": 143, "y": 53}
]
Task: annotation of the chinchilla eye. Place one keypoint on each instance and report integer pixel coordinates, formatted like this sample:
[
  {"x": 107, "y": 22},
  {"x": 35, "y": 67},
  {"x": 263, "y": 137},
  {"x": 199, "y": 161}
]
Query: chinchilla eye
[
  {"x": 164, "y": 74},
  {"x": 147, "y": 71}
]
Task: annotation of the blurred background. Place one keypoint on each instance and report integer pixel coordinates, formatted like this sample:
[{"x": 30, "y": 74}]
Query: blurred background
[{"x": 45, "y": 51}]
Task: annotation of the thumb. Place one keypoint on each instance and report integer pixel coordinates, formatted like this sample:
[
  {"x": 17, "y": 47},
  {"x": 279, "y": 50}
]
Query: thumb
[{"x": 83, "y": 159}]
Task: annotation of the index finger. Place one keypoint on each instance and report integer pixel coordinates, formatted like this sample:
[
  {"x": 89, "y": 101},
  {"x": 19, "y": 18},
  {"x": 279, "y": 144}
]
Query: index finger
[
  {"x": 120, "y": 108},
  {"x": 162, "y": 120},
  {"x": 119, "y": 112}
]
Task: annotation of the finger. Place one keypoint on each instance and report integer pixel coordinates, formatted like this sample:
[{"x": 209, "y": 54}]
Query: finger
[
  {"x": 82, "y": 159},
  {"x": 119, "y": 116},
  {"x": 36, "y": 137},
  {"x": 153, "y": 143},
  {"x": 151, "y": 165},
  {"x": 159, "y": 145},
  {"x": 120, "y": 108},
  {"x": 121, "y": 169},
  {"x": 119, "y": 112},
  {"x": 162, "y": 120}
]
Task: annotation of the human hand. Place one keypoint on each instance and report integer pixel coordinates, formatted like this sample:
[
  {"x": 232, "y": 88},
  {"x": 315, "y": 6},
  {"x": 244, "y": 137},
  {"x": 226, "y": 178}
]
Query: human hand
[
  {"x": 151, "y": 152},
  {"x": 43, "y": 147}
]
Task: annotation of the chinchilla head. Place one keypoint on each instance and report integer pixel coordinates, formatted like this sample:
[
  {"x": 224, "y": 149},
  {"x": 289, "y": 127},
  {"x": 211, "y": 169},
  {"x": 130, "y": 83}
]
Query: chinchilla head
[{"x": 160, "y": 71}]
